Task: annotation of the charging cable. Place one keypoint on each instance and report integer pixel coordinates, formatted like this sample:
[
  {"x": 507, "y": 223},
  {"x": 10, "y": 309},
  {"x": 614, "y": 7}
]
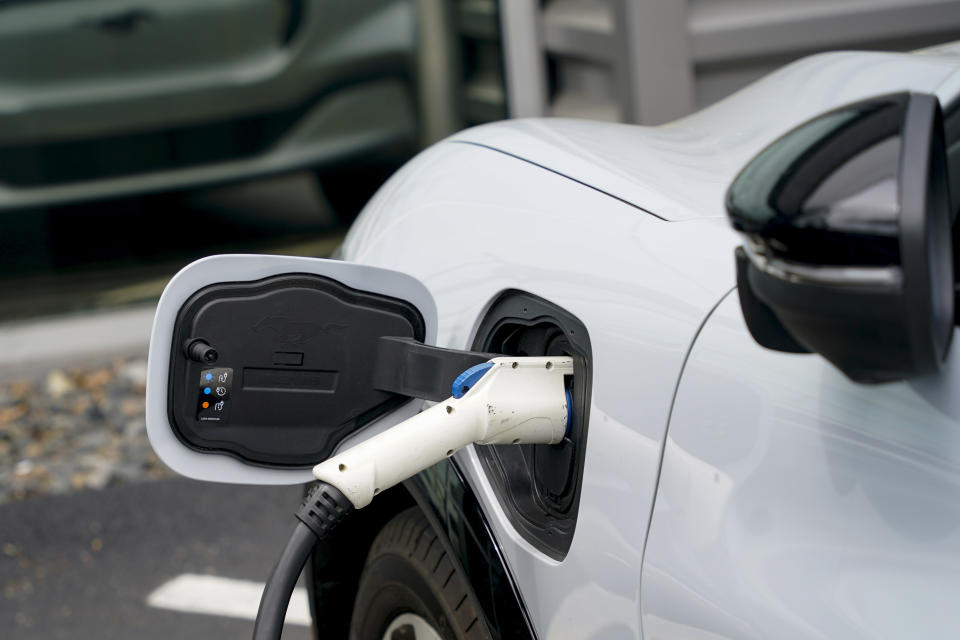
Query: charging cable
[{"x": 503, "y": 401}]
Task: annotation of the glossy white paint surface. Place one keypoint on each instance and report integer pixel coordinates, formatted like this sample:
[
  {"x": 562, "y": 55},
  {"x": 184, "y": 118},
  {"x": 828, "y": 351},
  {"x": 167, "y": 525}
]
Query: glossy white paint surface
[
  {"x": 469, "y": 223},
  {"x": 794, "y": 503},
  {"x": 220, "y": 467},
  {"x": 681, "y": 170}
]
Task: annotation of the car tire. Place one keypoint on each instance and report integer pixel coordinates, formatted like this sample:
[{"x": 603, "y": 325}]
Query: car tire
[{"x": 411, "y": 589}]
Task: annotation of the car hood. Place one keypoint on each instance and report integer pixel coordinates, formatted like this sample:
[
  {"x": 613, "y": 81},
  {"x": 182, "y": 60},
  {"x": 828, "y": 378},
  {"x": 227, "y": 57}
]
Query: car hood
[{"x": 681, "y": 170}]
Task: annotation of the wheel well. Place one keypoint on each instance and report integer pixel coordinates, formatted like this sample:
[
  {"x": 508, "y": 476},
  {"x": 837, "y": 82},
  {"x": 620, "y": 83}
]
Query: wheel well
[
  {"x": 443, "y": 495},
  {"x": 333, "y": 571}
]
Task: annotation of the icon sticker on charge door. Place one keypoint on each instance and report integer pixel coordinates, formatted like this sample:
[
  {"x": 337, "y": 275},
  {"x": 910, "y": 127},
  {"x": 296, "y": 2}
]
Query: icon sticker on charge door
[{"x": 214, "y": 394}]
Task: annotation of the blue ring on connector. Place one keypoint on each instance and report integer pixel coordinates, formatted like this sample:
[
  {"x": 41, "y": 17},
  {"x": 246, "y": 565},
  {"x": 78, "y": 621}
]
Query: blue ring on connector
[
  {"x": 569, "y": 413},
  {"x": 466, "y": 380}
]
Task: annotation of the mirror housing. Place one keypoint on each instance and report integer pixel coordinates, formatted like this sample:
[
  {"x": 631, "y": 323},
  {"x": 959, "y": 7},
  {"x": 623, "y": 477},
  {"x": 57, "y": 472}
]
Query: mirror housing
[
  {"x": 262, "y": 366},
  {"x": 847, "y": 230}
]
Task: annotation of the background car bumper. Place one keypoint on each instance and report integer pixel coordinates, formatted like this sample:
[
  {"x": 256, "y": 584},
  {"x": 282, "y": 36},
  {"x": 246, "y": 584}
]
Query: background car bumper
[{"x": 349, "y": 124}]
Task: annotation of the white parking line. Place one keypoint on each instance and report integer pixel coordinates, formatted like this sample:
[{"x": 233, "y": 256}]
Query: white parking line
[{"x": 213, "y": 595}]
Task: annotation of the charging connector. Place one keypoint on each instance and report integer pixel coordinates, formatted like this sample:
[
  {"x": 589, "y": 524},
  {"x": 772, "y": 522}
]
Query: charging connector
[
  {"x": 504, "y": 401},
  {"x": 511, "y": 401}
]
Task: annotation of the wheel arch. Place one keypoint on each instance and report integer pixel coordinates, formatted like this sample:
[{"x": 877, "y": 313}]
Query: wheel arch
[{"x": 446, "y": 500}]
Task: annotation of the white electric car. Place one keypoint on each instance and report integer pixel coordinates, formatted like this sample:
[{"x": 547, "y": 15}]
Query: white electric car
[{"x": 763, "y": 437}]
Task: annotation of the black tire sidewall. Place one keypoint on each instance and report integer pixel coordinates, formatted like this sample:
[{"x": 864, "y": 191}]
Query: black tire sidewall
[
  {"x": 408, "y": 570},
  {"x": 392, "y": 586}
]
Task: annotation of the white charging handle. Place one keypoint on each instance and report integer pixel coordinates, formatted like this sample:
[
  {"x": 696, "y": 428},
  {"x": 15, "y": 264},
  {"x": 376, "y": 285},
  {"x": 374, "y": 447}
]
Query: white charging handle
[{"x": 516, "y": 401}]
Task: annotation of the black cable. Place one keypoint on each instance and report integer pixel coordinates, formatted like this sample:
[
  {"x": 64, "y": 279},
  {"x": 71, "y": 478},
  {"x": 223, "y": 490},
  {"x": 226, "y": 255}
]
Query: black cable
[
  {"x": 320, "y": 513},
  {"x": 276, "y": 595}
]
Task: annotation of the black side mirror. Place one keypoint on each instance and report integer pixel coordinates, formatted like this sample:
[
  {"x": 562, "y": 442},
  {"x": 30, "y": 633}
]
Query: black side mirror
[{"x": 848, "y": 250}]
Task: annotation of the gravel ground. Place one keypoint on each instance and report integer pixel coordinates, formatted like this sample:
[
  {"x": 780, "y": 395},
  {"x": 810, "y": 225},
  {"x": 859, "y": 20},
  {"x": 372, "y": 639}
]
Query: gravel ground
[{"x": 73, "y": 429}]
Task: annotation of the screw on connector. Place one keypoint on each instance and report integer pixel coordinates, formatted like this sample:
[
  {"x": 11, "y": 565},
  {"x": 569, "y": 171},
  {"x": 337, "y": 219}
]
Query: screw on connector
[{"x": 198, "y": 350}]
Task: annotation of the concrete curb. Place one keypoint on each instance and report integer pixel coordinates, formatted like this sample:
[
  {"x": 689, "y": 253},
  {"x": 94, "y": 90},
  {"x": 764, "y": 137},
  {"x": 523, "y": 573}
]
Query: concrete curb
[{"x": 27, "y": 348}]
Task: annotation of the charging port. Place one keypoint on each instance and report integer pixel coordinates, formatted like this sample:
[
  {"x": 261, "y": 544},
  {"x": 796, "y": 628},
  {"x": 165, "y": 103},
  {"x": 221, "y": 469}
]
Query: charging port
[{"x": 539, "y": 485}]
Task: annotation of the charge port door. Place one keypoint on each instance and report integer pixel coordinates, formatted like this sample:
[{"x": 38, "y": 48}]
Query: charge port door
[{"x": 263, "y": 366}]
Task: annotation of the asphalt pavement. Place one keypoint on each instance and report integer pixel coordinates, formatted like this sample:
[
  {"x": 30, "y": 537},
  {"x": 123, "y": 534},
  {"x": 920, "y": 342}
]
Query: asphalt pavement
[{"x": 82, "y": 566}]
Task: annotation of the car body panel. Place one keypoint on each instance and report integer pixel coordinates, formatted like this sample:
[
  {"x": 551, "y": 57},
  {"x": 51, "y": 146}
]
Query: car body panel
[
  {"x": 229, "y": 61},
  {"x": 794, "y": 503},
  {"x": 94, "y": 102},
  {"x": 469, "y": 223},
  {"x": 655, "y": 168},
  {"x": 635, "y": 245},
  {"x": 345, "y": 126},
  {"x": 47, "y": 46}
]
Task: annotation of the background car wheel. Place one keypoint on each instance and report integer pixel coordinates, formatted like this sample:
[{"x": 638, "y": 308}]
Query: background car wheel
[{"x": 411, "y": 590}]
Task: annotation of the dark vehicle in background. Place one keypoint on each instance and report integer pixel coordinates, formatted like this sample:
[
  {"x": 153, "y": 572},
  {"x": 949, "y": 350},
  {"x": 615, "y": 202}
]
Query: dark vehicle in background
[{"x": 104, "y": 98}]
